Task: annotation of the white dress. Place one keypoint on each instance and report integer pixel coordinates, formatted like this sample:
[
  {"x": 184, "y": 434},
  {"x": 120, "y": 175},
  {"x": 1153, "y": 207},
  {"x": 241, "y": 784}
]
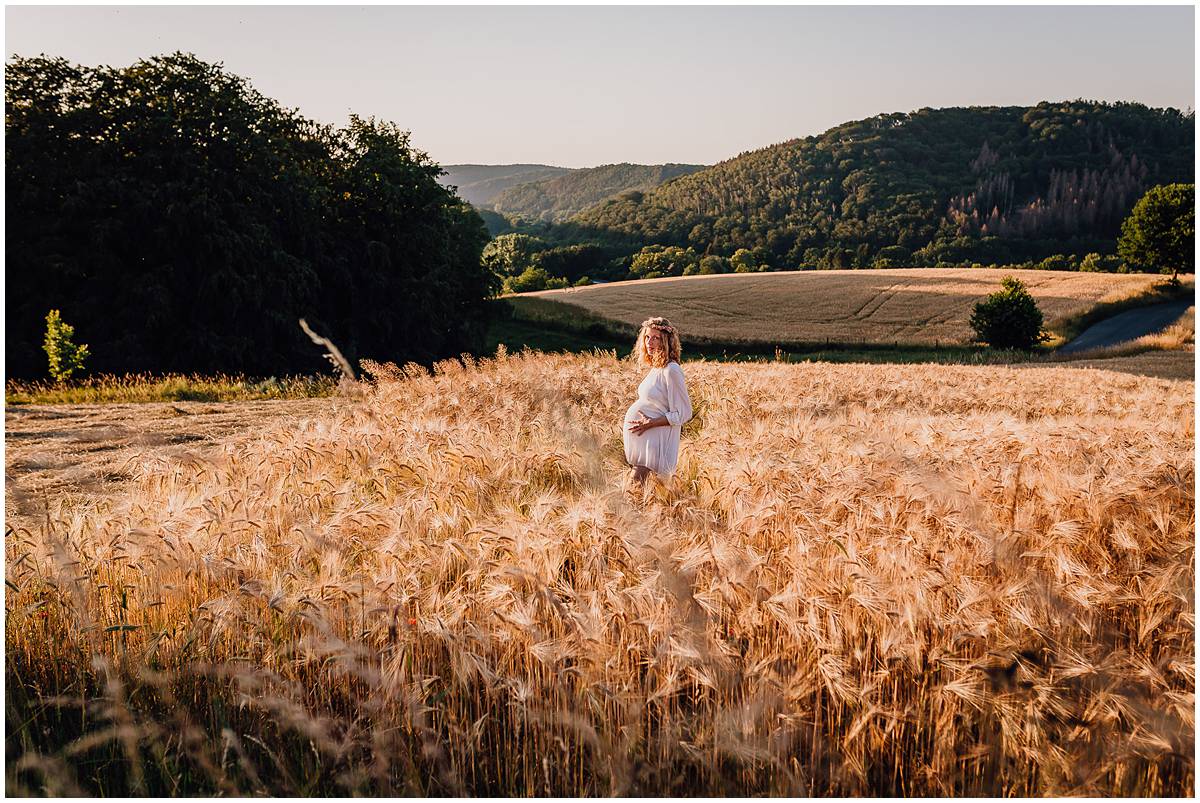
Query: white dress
[{"x": 662, "y": 393}]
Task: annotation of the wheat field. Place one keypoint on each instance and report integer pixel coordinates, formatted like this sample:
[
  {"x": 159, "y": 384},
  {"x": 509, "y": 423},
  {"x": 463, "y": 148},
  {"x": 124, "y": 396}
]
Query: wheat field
[
  {"x": 863, "y": 580},
  {"x": 912, "y": 306}
]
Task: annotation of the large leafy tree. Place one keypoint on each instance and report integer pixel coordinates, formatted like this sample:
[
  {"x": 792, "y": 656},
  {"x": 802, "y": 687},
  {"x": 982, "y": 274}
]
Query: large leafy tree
[
  {"x": 512, "y": 254},
  {"x": 1160, "y": 232},
  {"x": 185, "y": 221},
  {"x": 410, "y": 278},
  {"x": 574, "y": 261},
  {"x": 162, "y": 207},
  {"x": 655, "y": 261}
]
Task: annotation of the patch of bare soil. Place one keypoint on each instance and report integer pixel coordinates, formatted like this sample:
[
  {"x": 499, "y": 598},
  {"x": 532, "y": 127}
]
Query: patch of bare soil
[{"x": 55, "y": 452}]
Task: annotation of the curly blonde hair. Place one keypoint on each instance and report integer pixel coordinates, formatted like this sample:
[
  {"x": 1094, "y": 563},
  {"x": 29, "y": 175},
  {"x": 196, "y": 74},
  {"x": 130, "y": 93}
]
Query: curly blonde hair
[{"x": 643, "y": 356}]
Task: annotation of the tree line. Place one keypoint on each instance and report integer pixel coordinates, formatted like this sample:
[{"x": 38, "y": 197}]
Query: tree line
[
  {"x": 1158, "y": 236},
  {"x": 183, "y": 222},
  {"x": 935, "y": 187}
]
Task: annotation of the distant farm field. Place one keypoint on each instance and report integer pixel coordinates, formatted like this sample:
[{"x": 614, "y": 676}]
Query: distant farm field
[
  {"x": 864, "y": 580},
  {"x": 927, "y": 306}
]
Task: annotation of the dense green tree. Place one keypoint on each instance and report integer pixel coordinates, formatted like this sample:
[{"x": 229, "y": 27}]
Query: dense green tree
[
  {"x": 1098, "y": 263},
  {"x": 186, "y": 222},
  {"x": 416, "y": 281},
  {"x": 893, "y": 256},
  {"x": 1009, "y": 318},
  {"x": 655, "y": 260},
  {"x": 743, "y": 261},
  {"x": 1160, "y": 233},
  {"x": 573, "y": 261},
  {"x": 1059, "y": 262},
  {"x": 533, "y": 279},
  {"x": 512, "y": 254},
  {"x": 708, "y": 265}
]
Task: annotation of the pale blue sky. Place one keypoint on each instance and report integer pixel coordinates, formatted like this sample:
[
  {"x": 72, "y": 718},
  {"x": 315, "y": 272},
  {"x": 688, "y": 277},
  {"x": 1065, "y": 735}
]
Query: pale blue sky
[{"x": 581, "y": 86}]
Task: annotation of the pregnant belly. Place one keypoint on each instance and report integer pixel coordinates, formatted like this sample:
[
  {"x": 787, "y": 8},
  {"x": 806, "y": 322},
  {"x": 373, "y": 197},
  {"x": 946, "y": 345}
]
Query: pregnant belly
[{"x": 646, "y": 408}]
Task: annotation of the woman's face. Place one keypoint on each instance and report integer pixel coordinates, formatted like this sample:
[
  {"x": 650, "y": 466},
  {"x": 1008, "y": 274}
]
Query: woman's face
[{"x": 655, "y": 341}]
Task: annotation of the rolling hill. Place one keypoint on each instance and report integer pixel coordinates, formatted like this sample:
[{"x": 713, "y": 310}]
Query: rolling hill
[
  {"x": 931, "y": 187},
  {"x": 479, "y": 184},
  {"x": 534, "y": 192},
  {"x": 556, "y": 199}
]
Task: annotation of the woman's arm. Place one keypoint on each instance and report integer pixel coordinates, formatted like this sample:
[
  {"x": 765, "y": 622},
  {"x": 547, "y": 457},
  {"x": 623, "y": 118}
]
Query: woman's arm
[{"x": 679, "y": 405}]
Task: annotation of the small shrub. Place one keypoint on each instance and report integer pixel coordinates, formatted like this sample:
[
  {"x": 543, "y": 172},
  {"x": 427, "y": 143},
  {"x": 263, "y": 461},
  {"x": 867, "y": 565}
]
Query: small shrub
[
  {"x": 532, "y": 280},
  {"x": 1100, "y": 263},
  {"x": 1059, "y": 262},
  {"x": 65, "y": 357},
  {"x": 1009, "y": 318}
]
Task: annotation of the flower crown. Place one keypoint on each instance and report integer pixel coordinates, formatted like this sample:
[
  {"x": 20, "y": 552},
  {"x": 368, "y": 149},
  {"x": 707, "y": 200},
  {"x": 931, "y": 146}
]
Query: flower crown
[{"x": 661, "y": 324}]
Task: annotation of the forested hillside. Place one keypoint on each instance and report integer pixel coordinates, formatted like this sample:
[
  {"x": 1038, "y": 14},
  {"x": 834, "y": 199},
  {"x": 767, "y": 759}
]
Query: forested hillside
[
  {"x": 932, "y": 187},
  {"x": 182, "y": 222},
  {"x": 559, "y": 198},
  {"x": 479, "y": 184}
]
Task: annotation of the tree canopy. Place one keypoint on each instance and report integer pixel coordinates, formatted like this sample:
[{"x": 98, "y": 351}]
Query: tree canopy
[
  {"x": 511, "y": 254},
  {"x": 1160, "y": 232},
  {"x": 931, "y": 187},
  {"x": 184, "y": 222}
]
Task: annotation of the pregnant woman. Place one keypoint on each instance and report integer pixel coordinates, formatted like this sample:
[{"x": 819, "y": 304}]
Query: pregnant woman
[{"x": 653, "y": 422}]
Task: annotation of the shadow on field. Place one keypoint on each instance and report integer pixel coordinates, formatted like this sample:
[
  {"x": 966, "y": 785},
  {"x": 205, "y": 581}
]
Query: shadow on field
[{"x": 588, "y": 333}]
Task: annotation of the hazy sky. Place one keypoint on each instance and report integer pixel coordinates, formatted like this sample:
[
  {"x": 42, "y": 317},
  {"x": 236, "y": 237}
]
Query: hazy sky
[{"x": 582, "y": 86}]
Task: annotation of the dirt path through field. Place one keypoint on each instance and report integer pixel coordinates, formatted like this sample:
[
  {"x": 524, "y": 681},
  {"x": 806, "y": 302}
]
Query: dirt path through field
[
  {"x": 1129, "y": 325},
  {"x": 57, "y": 451}
]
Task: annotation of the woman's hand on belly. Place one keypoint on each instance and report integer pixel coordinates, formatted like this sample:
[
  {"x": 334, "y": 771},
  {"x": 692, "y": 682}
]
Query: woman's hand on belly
[{"x": 640, "y": 424}]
